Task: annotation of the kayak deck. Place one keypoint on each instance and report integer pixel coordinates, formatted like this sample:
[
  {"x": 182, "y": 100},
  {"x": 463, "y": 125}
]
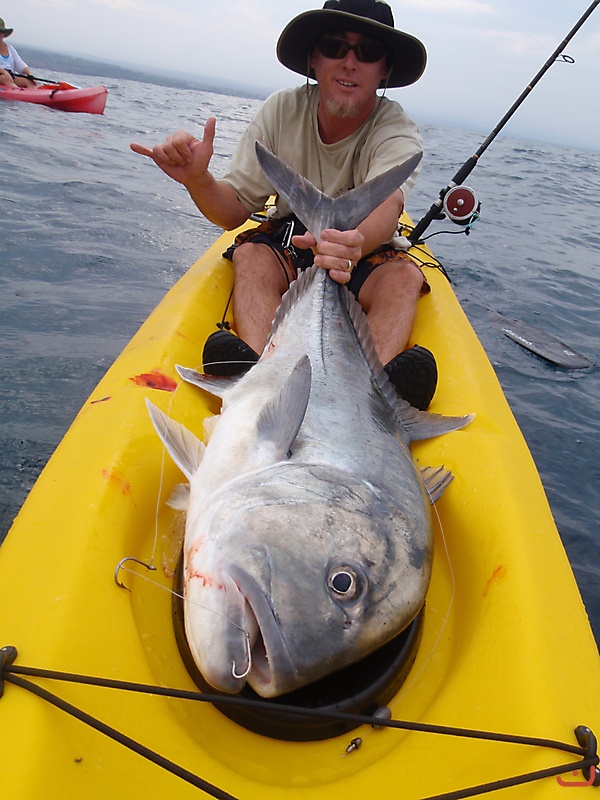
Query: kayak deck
[
  {"x": 62, "y": 97},
  {"x": 506, "y": 645}
]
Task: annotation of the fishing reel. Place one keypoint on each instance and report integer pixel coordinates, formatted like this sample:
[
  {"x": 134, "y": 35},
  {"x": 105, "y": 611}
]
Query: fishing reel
[
  {"x": 457, "y": 202},
  {"x": 461, "y": 205}
]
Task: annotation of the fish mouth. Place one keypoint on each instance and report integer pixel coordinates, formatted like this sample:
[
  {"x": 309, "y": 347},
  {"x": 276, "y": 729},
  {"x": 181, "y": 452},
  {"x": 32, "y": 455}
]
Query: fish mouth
[{"x": 266, "y": 658}]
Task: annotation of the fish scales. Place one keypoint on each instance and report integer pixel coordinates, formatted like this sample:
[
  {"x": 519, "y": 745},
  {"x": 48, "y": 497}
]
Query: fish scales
[{"x": 348, "y": 422}]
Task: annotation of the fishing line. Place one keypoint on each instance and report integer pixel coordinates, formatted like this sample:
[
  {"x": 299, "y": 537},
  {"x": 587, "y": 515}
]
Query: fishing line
[
  {"x": 161, "y": 478},
  {"x": 150, "y": 563},
  {"x": 180, "y": 596}
]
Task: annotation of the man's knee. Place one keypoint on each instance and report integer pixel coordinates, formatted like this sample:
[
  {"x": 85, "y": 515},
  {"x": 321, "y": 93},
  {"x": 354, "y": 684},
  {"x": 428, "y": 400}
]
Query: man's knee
[
  {"x": 398, "y": 278},
  {"x": 406, "y": 271},
  {"x": 259, "y": 262}
]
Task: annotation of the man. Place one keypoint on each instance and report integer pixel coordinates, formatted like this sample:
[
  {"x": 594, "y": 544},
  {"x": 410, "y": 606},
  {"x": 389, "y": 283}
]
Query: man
[{"x": 338, "y": 134}]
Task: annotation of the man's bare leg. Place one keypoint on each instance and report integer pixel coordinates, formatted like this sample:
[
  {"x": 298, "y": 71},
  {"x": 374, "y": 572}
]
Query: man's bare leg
[
  {"x": 260, "y": 281},
  {"x": 389, "y": 297}
]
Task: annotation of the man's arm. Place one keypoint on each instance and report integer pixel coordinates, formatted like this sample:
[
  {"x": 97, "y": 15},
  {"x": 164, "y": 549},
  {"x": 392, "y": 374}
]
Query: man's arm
[
  {"x": 186, "y": 159},
  {"x": 381, "y": 225},
  {"x": 337, "y": 248}
]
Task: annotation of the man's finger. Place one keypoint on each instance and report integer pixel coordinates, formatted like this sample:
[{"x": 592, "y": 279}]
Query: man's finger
[
  {"x": 209, "y": 130},
  {"x": 141, "y": 149}
]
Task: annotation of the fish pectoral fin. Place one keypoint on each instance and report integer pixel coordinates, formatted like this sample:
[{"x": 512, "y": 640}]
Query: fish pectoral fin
[
  {"x": 424, "y": 424},
  {"x": 436, "y": 481},
  {"x": 210, "y": 383},
  {"x": 280, "y": 419},
  {"x": 185, "y": 449},
  {"x": 180, "y": 497}
]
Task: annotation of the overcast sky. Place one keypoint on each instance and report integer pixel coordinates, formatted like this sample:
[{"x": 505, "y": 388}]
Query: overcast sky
[{"x": 482, "y": 53}]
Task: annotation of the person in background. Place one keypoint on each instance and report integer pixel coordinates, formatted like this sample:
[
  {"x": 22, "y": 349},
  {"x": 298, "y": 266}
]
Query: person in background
[
  {"x": 337, "y": 133},
  {"x": 11, "y": 62}
]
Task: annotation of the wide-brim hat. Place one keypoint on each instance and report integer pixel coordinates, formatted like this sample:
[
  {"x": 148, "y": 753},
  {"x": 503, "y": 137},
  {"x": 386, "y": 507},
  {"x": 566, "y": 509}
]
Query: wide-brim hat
[
  {"x": 373, "y": 18},
  {"x": 3, "y": 29}
]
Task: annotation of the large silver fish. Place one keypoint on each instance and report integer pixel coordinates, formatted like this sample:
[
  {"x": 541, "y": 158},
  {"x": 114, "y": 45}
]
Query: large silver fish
[{"x": 308, "y": 537}]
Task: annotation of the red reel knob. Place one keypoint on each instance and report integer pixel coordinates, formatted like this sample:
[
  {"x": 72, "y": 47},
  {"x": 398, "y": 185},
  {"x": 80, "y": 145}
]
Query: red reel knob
[{"x": 460, "y": 204}]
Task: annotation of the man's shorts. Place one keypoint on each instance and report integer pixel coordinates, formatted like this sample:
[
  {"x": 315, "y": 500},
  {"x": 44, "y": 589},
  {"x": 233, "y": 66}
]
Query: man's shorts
[{"x": 277, "y": 234}]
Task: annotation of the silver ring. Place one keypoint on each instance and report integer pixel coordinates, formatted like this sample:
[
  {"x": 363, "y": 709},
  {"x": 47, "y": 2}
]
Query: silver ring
[{"x": 350, "y": 265}]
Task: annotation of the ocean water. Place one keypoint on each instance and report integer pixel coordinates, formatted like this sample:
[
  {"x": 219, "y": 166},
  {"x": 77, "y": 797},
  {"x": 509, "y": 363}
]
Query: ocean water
[{"x": 92, "y": 237}]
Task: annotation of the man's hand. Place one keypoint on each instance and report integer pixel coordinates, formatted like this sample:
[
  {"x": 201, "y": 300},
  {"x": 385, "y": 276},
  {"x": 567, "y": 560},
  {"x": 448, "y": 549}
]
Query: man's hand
[
  {"x": 182, "y": 157},
  {"x": 337, "y": 251}
]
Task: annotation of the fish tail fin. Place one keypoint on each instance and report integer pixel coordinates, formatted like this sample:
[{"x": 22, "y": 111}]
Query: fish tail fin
[{"x": 318, "y": 211}]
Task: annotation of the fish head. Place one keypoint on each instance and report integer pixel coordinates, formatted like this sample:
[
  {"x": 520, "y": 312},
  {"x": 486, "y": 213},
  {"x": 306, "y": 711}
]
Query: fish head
[{"x": 304, "y": 572}]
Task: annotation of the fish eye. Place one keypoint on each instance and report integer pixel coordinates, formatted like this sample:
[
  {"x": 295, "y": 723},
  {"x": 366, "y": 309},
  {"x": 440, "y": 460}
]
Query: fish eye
[{"x": 343, "y": 582}]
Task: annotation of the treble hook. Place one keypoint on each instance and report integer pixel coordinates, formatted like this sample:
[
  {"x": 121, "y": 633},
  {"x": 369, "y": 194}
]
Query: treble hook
[
  {"x": 119, "y": 567},
  {"x": 249, "y": 658}
]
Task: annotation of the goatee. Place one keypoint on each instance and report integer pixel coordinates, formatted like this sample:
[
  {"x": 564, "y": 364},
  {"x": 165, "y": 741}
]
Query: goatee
[{"x": 343, "y": 109}]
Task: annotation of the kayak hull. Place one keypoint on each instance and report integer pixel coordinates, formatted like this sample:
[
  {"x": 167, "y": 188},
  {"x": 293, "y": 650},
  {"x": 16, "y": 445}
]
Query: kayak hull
[
  {"x": 506, "y": 645},
  {"x": 61, "y": 97}
]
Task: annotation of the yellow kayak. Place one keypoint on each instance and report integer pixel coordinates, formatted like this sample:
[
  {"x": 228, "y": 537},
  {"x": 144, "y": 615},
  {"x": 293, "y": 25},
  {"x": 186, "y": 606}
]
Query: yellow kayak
[{"x": 505, "y": 647}]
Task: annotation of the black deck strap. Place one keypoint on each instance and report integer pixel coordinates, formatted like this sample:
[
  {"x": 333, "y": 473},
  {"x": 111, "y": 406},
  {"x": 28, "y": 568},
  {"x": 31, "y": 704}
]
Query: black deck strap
[
  {"x": 204, "y": 697},
  {"x": 121, "y": 738},
  {"x": 518, "y": 780},
  {"x": 7, "y": 657},
  {"x": 424, "y": 259},
  {"x": 587, "y": 749},
  {"x": 587, "y": 740}
]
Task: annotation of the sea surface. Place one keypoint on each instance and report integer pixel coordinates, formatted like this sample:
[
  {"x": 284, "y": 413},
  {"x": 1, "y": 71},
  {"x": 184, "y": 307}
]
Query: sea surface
[{"x": 92, "y": 236}]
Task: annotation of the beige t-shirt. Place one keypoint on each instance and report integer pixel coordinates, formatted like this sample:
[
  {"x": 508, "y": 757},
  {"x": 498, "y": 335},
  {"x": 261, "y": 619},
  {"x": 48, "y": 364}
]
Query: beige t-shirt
[{"x": 287, "y": 125}]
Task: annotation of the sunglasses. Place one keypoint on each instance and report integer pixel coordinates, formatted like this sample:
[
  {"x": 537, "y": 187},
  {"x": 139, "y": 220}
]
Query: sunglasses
[{"x": 366, "y": 52}]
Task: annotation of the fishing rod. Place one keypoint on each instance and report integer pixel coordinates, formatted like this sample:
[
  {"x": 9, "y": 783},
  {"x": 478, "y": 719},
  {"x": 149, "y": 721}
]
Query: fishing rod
[{"x": 460, "y": 204}]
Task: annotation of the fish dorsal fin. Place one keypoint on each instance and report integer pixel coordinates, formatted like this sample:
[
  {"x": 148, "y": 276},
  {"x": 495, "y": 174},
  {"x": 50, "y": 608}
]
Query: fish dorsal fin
[
  {"x": 436, "y": 481},
  {"x": 297, "y": 288},
  {"x": 280, "y": 420},
  {"x": 210, "y": 383},
  {"x": 316, "y": 210},
  {"x": 184, "y": 448},
  {"x": 424, "y": 424},
  {"x": 417, "y": 424},
  {"x": 365, "y": 338}
]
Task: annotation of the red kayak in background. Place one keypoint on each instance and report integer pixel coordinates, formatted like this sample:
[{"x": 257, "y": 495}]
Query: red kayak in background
[{"x": 61, "y": 96}]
